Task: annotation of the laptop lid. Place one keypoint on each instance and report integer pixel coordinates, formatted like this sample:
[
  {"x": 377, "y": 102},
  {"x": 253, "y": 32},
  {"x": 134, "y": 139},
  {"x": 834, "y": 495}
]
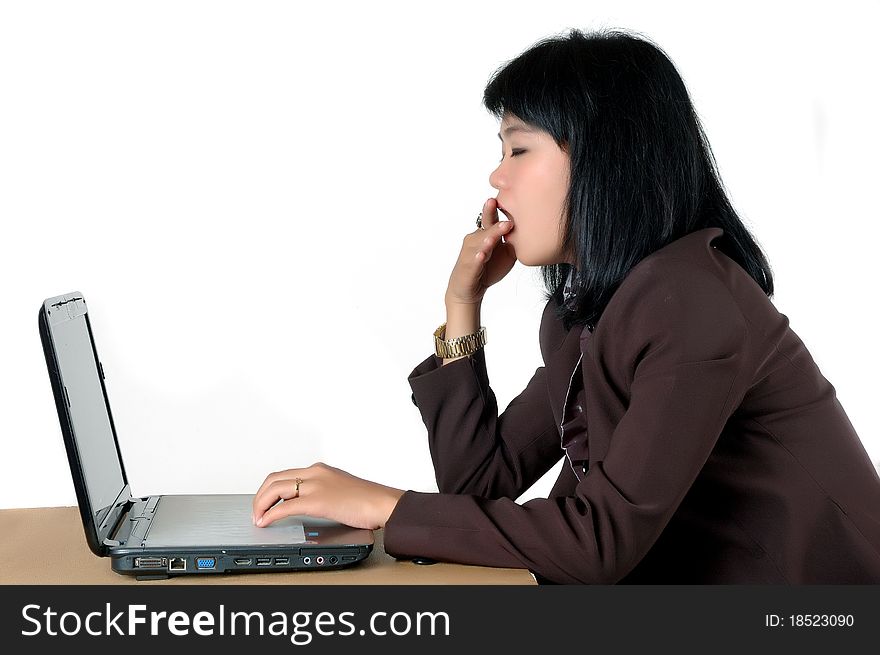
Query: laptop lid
[
  {"x": 77, "y": 378},
  {"x": 102, "y": 489}
]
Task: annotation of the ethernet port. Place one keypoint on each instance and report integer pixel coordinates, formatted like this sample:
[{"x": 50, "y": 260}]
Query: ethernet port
[{"x": 177, "y": 564}]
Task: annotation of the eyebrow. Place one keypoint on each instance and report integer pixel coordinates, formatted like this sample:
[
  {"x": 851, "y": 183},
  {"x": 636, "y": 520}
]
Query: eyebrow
[{"x": 515, "y": 128}]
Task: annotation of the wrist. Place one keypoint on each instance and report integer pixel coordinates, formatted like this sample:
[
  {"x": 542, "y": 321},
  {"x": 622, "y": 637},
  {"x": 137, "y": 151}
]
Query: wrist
[
  {"x": 452, "y": 302},
  {"x": 392, "y": 498},
  {"x": 462, "y": 318}
]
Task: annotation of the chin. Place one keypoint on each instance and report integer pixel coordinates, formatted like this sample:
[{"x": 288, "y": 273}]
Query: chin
[{"x": 527, "y": 261}]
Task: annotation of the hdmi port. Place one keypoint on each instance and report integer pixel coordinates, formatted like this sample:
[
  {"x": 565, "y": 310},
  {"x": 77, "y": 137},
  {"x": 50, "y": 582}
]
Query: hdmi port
[
  {"x": 242, "y": 561},
  {"x": 264, "y": 561}
]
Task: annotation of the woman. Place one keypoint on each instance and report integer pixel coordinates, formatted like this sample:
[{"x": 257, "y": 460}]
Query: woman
[{"x": 702, "y": 443}]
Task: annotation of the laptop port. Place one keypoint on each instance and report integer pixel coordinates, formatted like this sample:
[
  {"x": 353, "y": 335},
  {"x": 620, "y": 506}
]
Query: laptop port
[
  {"x": 319, "y": 559},
  {"x": 206, "y": 563},
  {"x": 242, "y": 561},
  {"x": 333, "y": 559},
  {"x": 264, "y": 561},
  {"x": 282, "y": 561},
  {"x": 177, "y": 564},
  {"x": 307, "y": 560},
  {"x": 150, "y": 562}
]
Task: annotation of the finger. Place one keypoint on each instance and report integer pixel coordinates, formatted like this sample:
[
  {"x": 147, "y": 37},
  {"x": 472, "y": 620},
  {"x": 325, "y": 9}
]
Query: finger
[
  {"x": 268, "y": 497},
  {"x": 490, "y": 213},
  {"x": 266, "y": 482},
  {"x": 294, "y": 506},
  {"x": 278, "y": 490},
  {"x": 272, "y": 477},
  {"x": 275, "y": 475},
  {"x": 492, "y": 239},
  {"x": 288, "y": 474},
  {"x": 314, "y": 471}
]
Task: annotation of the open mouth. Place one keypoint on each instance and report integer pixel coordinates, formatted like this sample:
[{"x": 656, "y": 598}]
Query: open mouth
[{"x": 506, "y": 237}]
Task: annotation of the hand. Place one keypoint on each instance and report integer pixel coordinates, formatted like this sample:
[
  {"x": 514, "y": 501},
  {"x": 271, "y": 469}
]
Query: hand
[
  {"x": 325, "y": 492},
  {"x": 483, "y": 260}
]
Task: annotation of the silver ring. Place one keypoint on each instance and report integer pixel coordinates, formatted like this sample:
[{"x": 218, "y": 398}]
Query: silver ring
[{"x": 480, "y": 221}]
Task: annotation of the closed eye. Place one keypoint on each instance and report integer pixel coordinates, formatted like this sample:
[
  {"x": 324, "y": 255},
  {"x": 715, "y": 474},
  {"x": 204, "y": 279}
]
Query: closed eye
[{"x": 514, "y": 153}]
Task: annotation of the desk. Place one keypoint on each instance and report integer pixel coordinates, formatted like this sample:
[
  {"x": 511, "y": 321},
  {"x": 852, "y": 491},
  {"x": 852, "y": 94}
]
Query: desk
[{"x": 46, "y": 545}]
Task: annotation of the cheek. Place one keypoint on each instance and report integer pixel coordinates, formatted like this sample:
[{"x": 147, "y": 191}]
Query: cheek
[{"x": 532, "y": 241}]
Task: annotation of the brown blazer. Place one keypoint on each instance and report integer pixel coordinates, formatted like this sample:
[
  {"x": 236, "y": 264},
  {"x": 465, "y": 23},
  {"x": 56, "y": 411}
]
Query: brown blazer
[{"x": 702, "y": 446}]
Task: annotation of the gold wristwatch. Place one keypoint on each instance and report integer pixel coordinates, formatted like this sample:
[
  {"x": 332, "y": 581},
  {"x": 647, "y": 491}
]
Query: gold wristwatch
[{"x": 459, "y": 346}]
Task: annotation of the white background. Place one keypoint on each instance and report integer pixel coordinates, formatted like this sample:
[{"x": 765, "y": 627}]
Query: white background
[{"x": 262, "y": 203}]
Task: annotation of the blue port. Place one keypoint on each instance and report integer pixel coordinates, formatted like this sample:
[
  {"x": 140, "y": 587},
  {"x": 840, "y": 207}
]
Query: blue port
[{"x": 206, "y": 563}]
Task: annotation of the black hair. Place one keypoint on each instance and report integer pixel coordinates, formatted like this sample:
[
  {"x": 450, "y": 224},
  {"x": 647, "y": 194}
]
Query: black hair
[{"x": 642, "y": 170}]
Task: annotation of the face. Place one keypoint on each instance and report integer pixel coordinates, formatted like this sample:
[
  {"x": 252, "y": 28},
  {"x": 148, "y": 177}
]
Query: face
[{"x": 532, "y": 182}]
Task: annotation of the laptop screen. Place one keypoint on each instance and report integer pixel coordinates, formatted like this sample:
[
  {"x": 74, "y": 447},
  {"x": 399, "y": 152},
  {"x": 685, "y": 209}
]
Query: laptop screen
[{"x": 88, "y": 409}]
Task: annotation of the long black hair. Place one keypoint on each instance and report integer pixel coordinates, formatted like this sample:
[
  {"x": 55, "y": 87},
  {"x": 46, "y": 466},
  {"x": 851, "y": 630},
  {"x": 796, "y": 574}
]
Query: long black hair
[{"x": 642, "y": 171}]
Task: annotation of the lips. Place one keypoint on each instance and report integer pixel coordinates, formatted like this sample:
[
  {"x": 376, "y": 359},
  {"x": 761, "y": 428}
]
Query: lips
[
  {"x": 504, "y": 211},
  {"x": 504, "y": 238}
]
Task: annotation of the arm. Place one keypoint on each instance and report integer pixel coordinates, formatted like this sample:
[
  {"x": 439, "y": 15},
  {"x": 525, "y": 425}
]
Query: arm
[
  {"x": 686, "y": 348},
  {"x": 474, "y": 450}
]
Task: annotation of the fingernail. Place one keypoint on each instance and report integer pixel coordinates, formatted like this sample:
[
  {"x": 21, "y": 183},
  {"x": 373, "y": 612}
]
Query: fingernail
[{"x": 260, "y": 521}]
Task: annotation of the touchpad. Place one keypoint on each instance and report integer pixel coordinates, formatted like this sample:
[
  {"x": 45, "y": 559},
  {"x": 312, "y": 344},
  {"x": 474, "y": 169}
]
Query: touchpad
[{"x": 216, "y": 520}]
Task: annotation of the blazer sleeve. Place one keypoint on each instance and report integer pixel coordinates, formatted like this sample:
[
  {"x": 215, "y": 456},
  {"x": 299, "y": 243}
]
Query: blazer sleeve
[
  {"x": 681, "y": 338},
  {"x": 474, "y": 449}
]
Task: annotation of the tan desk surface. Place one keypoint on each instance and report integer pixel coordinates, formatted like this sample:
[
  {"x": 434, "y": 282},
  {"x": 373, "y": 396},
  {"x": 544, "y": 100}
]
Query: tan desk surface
[{"x": 46, "y": 545}]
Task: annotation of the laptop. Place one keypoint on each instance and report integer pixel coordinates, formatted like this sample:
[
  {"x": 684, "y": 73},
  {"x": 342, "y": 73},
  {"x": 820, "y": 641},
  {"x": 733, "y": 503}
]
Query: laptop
[{"x": 164, "y": 535}]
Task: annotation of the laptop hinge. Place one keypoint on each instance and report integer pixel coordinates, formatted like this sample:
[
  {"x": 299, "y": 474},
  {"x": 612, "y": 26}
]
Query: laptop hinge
[
  {"x": 134, "y": 522},
  {"x": 118, "y": 512}
]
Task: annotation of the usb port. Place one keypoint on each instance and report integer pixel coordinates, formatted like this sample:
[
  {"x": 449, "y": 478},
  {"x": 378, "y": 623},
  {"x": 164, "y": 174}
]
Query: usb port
[
  {"x": 264, "y": 561},
  {"x": 282, "y": 561}
]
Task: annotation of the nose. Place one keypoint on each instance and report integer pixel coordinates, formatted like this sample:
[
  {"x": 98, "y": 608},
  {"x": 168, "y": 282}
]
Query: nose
[{"x": 495, "y": 177}]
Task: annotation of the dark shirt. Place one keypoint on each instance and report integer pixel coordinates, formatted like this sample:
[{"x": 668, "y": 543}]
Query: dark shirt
[{"x": 702, "y": 446}]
